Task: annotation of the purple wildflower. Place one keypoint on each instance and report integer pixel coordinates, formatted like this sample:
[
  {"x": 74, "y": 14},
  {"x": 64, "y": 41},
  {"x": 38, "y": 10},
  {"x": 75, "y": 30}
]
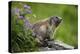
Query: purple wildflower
[
  {"x": 27, "y": 7},
  {"x": 28, "y": 11},
  {"x": 17, "y": 11},
  {"x": 21, "y": 17},
  {"x": 28, "y": 24}
]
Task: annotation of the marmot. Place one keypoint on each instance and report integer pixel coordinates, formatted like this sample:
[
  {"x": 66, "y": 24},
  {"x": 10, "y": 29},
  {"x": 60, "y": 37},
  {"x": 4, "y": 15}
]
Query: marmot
[{"x": 43, "y": 30}]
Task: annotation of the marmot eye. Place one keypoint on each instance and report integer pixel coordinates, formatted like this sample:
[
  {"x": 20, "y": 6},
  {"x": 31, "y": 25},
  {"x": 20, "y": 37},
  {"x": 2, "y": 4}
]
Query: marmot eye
[{"x": 56, "y": 17}]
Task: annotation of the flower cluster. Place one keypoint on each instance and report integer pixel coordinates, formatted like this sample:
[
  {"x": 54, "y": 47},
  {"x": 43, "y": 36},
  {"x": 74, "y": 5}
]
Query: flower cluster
[
  {"x": 21, "y": 14},
  {"x": 21, "y": 30}
]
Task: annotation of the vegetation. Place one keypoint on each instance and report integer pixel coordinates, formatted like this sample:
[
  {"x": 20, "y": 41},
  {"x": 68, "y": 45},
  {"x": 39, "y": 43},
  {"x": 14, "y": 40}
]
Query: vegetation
[{"x": 22, "y": 39}]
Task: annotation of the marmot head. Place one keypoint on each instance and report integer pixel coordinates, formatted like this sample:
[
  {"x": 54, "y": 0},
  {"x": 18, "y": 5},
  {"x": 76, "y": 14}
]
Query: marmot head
[{"x": 55, "y": 20}]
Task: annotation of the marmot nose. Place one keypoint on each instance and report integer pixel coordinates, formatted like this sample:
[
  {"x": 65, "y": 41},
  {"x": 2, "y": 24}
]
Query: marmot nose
[{"x": 60, "y": 18}]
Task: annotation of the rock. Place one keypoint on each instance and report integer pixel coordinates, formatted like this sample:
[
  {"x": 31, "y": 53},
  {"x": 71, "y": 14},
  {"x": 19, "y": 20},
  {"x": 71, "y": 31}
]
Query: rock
[{"x": 56, "y": 45}]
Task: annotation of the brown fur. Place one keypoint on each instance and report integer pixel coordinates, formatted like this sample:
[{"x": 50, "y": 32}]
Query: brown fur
[{"x": 43, "y": 30}]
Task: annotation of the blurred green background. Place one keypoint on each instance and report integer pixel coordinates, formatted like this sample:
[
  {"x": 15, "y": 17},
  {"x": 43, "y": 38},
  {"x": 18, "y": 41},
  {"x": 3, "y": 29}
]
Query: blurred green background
[{"x": 68, "y": 29}]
